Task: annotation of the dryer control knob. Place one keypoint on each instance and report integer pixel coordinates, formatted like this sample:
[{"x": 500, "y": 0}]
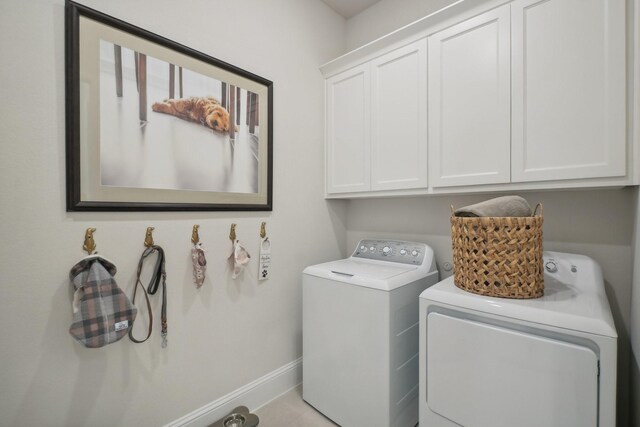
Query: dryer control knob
[
  {"x": 386, "y": 250},
  {"x": 403, "y": 251},
  {"x": 414, "y": 252},
  {"x": 551, "y": 266}
]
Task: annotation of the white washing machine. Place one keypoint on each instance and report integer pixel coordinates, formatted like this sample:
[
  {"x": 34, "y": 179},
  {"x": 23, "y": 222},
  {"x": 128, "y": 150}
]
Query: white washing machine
[
  {"x": 495, "y": 362},
  {"x": 360, "y": 333}
]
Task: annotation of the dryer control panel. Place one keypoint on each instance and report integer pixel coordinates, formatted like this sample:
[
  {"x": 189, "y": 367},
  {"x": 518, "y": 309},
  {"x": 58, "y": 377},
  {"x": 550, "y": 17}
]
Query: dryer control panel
[{"x": 391, "y": 250}]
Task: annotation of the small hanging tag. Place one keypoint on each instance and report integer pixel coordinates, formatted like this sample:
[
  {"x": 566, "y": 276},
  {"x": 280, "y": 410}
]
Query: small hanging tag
[{"x": 265, "y": 259}]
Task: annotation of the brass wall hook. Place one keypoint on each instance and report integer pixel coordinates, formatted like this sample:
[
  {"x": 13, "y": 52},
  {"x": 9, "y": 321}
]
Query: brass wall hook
[
  {"x": 89, "y": 243},
  {"x": 195, "y": 238},
  {"x": 232, "y": 233},
  {"x": 263, "y": 231},
  {"x": 148, "y": 237}
]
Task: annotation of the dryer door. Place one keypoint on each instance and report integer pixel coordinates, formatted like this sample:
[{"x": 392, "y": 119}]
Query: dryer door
[{"x": 483, "y": 375}]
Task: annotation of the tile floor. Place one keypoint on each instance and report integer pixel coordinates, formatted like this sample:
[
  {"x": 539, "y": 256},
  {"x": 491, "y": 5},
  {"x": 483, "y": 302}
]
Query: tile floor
[{"x": 289, "y": 410}]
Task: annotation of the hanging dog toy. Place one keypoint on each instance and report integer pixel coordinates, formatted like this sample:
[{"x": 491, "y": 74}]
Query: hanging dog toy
[
  {"x": 239, "y": 257},
  {"x": 198, "y": 259}
]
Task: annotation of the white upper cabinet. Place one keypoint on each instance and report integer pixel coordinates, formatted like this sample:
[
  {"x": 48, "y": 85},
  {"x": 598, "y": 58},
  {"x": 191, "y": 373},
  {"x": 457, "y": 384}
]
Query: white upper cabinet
[
  {"x": 568, "y": 93},
  {"x": 487, "y": 95},
  {"x": 469, "y": 101},
  {"x": 399, "y": 119},
  {"x": 348, "y": 131},
  {"x": 377, "y": 123}
]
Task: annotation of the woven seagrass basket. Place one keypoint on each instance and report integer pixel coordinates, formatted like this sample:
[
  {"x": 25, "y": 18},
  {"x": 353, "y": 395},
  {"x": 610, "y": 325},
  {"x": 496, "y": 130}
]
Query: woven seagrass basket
[{"x": 498, "y": 256}]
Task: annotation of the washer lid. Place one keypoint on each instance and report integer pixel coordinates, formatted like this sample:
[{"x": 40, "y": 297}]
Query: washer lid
[
  {"x": 368, "y": 270},
  {"x": 371, "y": 274},
  {"x": 574, "y": 297}
]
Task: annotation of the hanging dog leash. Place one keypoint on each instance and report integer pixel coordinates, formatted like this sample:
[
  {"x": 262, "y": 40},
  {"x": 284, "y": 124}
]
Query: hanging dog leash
[{"x": 159, "y": 275}]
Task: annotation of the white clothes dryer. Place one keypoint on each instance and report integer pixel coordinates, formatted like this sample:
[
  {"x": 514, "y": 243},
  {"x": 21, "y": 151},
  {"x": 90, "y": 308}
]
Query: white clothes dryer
[
  {"x": 497, "y": 362},
  {"x": 360, "y": 333}
]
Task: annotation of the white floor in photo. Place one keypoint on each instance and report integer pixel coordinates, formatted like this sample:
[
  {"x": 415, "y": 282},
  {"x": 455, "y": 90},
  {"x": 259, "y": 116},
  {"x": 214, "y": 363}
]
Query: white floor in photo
[{"x": 168, "y": 152}]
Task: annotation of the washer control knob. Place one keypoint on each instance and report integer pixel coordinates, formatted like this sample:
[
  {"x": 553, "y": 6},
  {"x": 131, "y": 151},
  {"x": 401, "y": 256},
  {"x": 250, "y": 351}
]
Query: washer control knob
[
  {"x": 363, "y": 248},
  {"x": 372, "y": 248},
  {"x": 386, "y": 250},
  {"x": 403, "y": 251},
  {"x": 414, "y": 252},
  {"x": 551, "y": 266}
]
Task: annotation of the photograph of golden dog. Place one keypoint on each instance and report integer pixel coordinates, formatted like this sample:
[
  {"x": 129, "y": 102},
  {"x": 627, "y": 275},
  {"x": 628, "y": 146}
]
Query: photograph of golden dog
[
  {"x": 204, "y": 110},
  {"x": 165, "y": 126}
]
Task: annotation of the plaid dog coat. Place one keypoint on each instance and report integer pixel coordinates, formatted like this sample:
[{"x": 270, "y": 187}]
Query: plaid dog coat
[{"x": 104, "y": 314}]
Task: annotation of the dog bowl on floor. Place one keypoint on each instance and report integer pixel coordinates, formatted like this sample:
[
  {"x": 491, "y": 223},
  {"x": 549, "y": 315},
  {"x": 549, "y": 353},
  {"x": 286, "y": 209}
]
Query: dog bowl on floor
[
  {"x": 234, "y": 420},
  {"x": 239, "y": 417}
]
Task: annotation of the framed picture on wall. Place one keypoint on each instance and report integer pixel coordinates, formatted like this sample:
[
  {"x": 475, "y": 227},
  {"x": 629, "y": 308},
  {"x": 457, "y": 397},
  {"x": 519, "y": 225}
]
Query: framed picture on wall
[{"x": 153, "y": 125}]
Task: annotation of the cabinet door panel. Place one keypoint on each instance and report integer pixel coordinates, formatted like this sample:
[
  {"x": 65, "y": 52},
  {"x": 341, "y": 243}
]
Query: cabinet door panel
[
  {"x": 469, "y": 101},
  {"x": 568, "y": 89},
  {"x": 348, "y": 131},
  {"x": 399, "y": 119}
]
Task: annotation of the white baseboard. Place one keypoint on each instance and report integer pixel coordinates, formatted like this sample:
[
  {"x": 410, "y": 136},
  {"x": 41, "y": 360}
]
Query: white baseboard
[{"x": 253, "y": 396}]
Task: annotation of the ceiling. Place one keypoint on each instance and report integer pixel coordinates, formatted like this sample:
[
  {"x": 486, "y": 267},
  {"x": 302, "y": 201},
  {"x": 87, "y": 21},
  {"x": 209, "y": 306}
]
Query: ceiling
[{"x": 349, "y": 8}]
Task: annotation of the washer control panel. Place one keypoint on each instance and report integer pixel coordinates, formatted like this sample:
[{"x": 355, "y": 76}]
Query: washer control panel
[
  {"x": 551, "y": 266},
  {"x": 558, "y": 265},
  {"x": 391, "y": 250}
]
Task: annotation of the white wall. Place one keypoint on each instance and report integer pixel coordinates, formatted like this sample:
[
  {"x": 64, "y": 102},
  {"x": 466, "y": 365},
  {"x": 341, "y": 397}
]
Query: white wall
[
  {"x": 221, "y": 337},
  {"x": 387, "y": 16},
  {"x": 635, "y": 291},
  {"x": 635, "y": 318}
]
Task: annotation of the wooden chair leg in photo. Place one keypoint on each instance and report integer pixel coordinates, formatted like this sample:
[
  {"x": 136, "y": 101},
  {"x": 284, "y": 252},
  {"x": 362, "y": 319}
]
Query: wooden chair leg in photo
[
  {"x": 223, "y": 101},
  {"x": 135, "y": 62},
  {"x": 252, "y": 114},
  {"x": 256, "y": 109},
  {"x": 232, "y": 111},
  {"x": 142, "y": 86},
  {"x": 172, "y": 81},
  {"x": 248, "y": 108},
  {"x": 180, "y": 80},
  {"x": 238, "y": 106},
  {"x": 117, "y": 53}
]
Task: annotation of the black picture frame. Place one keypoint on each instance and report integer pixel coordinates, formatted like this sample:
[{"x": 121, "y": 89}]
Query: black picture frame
[{"x": 87, "y": 172}]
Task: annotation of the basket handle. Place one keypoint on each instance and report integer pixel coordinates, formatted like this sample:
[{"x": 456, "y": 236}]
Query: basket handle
[
  {"x": 452, "y": 210},
  {"x": 539, "y": 205}
]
